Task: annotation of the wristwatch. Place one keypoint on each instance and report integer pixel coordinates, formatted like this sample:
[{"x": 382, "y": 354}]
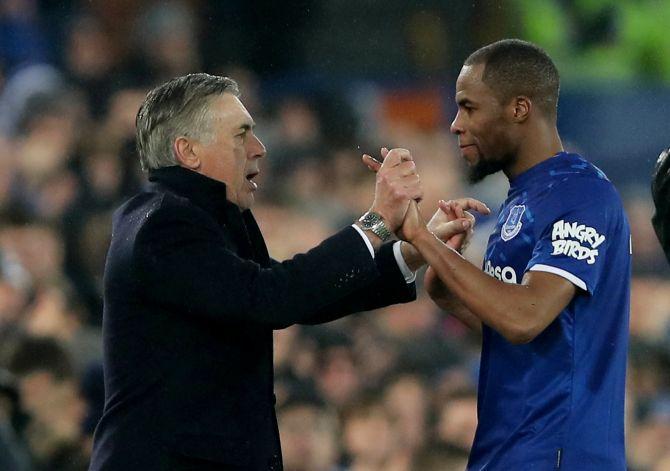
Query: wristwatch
[{"x": 374, "y": 223}]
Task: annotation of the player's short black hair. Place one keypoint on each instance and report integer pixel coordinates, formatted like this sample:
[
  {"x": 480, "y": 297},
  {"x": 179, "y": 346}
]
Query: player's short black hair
[{"x": 514, "y": 67}]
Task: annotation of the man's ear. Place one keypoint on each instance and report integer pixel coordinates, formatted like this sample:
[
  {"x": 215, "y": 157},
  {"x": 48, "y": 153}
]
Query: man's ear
[
  {"x": 183, "y": 151},
  {"x": 521, "y": 107}
]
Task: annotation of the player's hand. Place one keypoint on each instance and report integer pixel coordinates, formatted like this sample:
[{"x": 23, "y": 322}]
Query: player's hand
[
  {"x": 456, "y": 210},
  {"x": 413, "y": 224},
  {"x": 441, "y": 227},
  {"x": 397, "y": 183}
]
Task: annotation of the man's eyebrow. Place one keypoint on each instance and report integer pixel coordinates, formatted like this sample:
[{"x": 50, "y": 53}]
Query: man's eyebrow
[
  {"x": 463, "y": 101},
  {"x": 247, "y": 126}
]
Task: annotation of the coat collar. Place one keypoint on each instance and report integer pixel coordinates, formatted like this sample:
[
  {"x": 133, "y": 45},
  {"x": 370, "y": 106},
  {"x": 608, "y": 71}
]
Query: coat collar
[
  {"x": 210, "y": 195},
  {"x": 205, "y": 192}
]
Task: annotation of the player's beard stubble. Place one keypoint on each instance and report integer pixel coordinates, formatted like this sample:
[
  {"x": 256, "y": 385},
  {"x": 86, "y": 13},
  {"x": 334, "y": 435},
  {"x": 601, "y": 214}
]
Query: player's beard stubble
[{"x": 488, "y": 166}]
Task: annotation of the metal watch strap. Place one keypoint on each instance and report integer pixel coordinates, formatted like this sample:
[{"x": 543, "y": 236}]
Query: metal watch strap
[
  {"x": 374, "y": 223},
  {"x": 381, "y": 231}
]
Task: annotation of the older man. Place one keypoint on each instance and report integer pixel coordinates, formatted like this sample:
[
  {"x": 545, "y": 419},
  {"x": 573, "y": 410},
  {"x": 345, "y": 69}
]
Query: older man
[{"x": 192, "y": 297}]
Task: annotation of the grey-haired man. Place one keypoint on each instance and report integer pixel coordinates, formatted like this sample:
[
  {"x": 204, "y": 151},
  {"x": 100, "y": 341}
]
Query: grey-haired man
[{"x": 192, "y": 296}]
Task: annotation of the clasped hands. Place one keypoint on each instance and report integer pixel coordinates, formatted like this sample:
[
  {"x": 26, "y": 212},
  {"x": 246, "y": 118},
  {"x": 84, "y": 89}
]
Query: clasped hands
[{"x": 398, "y": 192}]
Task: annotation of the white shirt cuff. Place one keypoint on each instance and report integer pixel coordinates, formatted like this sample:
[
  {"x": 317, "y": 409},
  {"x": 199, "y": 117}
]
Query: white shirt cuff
[
  {"x": 365, "y": 239},
  {"x": 409, "y": 275}
]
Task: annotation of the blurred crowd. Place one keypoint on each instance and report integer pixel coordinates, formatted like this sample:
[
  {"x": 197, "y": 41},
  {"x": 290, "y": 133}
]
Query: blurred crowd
[{"x": 391, "y": 390}]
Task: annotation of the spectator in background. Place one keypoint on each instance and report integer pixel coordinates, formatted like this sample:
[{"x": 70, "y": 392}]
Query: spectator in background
[
  {"x": 22, "y": 40},
  {"x": 14, "y": 453},
  {"x": 91, "y": 62},
  {"x": 371, "y": 440},
  {"x": 57, "y": 313},
  {"x": 337, "y": 376},
  {"x": 457, "y": 419},
  {"x": 167, "y": 38},
  {"x": 406, "y": 399},
  {"x": 15, "y": 291},
  {"x": 49, "y": 394},
  {"x": 20, "y": 87},
  {"x": 45, "y": 186},
  {"x": 440, "y": 458},
  {"x": 309, "y": 434}
]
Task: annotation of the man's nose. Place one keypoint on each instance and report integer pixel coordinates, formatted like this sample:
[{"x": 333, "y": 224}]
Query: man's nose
[
  {"x": 455, "y": 127},
  {"x": 257, "y": 149}
]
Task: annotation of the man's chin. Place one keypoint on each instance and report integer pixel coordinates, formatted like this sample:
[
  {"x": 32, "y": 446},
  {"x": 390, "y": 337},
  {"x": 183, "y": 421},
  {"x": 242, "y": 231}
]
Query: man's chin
[
  {"x": 246, "y": 202},
  {"x": 481, "y": 170}
]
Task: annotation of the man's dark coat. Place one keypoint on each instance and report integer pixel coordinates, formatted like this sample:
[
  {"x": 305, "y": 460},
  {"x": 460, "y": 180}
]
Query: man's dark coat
[{"x": 191, "y": 300}]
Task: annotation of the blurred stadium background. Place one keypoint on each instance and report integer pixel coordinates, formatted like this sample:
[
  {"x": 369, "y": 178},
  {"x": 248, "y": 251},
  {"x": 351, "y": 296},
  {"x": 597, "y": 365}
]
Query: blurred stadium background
[{"x": 389, "y": 390}]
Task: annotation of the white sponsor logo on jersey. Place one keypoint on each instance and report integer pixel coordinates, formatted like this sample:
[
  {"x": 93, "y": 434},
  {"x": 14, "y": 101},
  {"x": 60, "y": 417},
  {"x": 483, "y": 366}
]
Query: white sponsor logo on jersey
[
  {"x": 576, "y": 240},
  {"x": 506, "y": 274}
]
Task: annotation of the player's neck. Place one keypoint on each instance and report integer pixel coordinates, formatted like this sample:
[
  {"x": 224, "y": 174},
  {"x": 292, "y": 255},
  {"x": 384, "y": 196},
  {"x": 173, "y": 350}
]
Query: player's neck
[{"x": 542, "y": 143}]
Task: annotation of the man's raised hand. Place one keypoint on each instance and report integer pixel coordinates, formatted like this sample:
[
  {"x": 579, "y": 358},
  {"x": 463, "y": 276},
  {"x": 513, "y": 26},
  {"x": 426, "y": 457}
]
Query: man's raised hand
[
  {"x": 453, "y": 211},
  {"x": 397, "y": 183}
]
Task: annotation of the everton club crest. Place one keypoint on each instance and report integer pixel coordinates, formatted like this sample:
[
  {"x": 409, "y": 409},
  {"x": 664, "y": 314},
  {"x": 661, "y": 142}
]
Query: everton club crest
[{"x": 513, "y": 224}]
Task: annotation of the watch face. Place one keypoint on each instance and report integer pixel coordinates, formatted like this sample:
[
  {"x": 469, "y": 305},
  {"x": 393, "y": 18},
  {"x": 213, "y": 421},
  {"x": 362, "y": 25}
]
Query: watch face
[{"x": 370, "y": 219}]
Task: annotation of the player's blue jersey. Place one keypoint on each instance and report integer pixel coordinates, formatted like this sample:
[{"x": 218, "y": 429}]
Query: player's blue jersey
[{"x": 558, "y": 401}]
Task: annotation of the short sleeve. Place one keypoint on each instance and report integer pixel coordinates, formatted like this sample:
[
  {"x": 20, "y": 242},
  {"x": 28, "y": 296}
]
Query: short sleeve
[{"x": 573, "y": 230}]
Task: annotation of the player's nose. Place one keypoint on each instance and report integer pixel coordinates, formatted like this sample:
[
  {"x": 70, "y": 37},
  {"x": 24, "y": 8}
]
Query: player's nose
[{"x": 456, "y": 126}]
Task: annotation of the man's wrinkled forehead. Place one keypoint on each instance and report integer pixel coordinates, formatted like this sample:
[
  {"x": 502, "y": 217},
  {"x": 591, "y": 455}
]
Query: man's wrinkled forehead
[{"x": 228, "y": 108}]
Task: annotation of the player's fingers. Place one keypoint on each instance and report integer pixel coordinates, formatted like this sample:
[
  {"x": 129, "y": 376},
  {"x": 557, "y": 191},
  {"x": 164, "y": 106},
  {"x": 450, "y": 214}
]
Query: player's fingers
[
  {"x": 474, "y": 204},
  {"x": 447, "y": 209},
  {"x": 455, "y": 227},
  {"x": 372, "y": 163},
  {"x": 458, "y": 209}
]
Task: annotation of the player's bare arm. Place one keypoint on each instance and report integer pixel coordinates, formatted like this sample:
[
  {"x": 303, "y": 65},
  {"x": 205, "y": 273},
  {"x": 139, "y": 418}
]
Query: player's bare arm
[
  {"x": 454, "y": 210},
  {"x": 518, "y": 312},
  {"x": 447, "y": 301}
]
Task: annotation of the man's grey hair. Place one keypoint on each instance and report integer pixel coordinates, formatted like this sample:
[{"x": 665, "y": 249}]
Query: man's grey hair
[{"x": 179, "y": 107}]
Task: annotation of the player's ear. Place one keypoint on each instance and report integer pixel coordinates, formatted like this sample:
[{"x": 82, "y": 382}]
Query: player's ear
[
  {"x": 183, "y": 151},
  {"x": 521, "y": 107}
]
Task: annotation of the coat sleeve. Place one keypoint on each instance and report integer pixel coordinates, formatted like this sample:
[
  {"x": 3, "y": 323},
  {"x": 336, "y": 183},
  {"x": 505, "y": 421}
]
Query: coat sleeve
[
  {"x": 388, "y": 288},
  {"x": 183, "y": 263}
]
